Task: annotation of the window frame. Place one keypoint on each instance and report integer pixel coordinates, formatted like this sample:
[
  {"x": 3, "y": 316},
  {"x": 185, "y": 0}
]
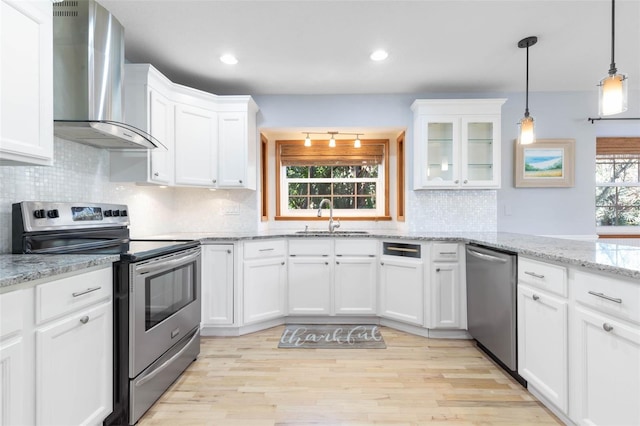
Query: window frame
[{"x": 382, "y": 201}]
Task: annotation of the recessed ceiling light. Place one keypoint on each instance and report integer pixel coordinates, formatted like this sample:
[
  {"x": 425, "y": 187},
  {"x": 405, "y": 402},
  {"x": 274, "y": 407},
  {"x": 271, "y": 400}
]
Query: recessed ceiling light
[
  {"x": 379, "y": 55},
  {"x": 229, "y": 59}
]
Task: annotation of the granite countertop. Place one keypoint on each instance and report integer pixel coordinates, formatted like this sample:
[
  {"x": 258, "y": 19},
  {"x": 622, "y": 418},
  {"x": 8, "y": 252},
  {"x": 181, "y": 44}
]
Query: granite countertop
[
  {"x": 17, "y": 269},
  {"x": 615, "y": 258}
]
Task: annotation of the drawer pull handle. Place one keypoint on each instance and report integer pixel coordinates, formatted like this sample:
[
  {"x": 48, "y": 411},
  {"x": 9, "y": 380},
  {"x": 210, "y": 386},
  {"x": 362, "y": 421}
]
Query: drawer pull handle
[
  {"x": 267, "y": 249},
  {"x": 408, "y": 250},
  {"x": 604, "y": 296},
  {"x": 84, "y": 319},
  {"x": 448, "y": 253},
  {"x": 89, "y": 290},
  {"x": 533, "y": 274},
  {"x": 607, "y": 327},
  {"x": 536, "y": 297}
]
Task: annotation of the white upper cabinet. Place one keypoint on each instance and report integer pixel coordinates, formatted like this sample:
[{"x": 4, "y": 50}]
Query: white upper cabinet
[
  {"x": 237, "y": 142},
  {"x": 148, "y": 106},
  {"x": 26, "y": 82},
  {"x": 456, "y": 143}
]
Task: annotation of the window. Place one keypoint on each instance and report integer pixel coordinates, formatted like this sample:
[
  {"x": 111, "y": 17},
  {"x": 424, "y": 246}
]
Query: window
[
  {"x": 355, "y": 180},
  {"x": 617, "y": 185}
]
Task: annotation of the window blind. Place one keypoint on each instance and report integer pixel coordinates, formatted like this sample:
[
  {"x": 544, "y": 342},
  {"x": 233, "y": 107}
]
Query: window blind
[
  {"x": 618, "y": 146},
  {"x": 296, "y": 154}
]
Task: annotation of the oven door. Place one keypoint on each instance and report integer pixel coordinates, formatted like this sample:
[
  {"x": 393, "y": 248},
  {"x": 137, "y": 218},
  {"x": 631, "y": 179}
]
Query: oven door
[{"x": 164, "y": 305}]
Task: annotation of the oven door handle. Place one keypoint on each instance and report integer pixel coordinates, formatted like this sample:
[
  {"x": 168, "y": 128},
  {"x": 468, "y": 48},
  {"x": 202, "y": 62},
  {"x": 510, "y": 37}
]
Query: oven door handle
[
  {"x": 153, "y": 373},
  {"x": 77, "y": 247},
  {"x": 163, "y": 264}
]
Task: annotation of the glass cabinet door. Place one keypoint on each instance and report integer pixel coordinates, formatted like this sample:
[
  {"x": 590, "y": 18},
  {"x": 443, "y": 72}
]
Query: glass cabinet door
[
  {"x": 479, "y": 149},
  {"x": 442, "y": 152}
]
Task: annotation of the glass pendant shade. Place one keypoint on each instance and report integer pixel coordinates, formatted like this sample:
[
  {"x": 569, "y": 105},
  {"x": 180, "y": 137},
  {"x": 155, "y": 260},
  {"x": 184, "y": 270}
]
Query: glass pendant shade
[
  {"x": 612, "y": 94},
  {"x": 307, "y": 141},
  {"x": 332, "y": 142},
  {"x": 357, "y": 143},
  {"x": 526, "y": 134}
]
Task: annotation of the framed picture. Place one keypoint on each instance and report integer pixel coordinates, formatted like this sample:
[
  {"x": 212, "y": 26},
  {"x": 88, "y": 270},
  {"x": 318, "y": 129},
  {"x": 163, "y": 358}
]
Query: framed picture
[{"x": 545, "y": 163}]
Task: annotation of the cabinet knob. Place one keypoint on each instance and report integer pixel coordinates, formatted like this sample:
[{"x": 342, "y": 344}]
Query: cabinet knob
[
  {"x": 437, "y": 269},
  {"x": 84, "y": 319},
  {"x": 456, "y": 181},
  {"x": 282, "y": 263},
  {"x": 326, "y": 263},
  {"x": 382, "y": 263},
  {"x": 228, "y": 251},
  {"x": 465, "y": 181},
  {"x": 240, "y": 181},
  {"x": 536, "y": 297},
  {"x": 156, "y": 174},
  {"x": 214, "y": 180},
  {"x": 337, "y": 263},
  {"x": 607, "y": 327}
]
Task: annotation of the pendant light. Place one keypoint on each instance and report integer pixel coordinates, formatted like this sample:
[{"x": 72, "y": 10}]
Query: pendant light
[
  {"x": 307, "y": 141},
  {"x": 526, "y": 134},
  {"x": 332, "y": 141},
  {"x": 357, "y": 143},
  {"x": 612, "y": 89}
]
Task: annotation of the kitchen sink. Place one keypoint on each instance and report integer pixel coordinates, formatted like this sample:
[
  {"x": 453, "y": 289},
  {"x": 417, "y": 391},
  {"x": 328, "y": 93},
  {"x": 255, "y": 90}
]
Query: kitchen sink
[{"x": 334, "y": 232}]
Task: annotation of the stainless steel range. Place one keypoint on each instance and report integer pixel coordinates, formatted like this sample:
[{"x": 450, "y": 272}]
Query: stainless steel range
[{"x": 156, "y": 293}]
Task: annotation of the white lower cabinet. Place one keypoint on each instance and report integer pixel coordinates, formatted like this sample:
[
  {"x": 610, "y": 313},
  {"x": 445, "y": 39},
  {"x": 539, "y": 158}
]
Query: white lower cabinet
[
  {"x": 74, "y": 368},
  {"x": 309, "y": 285},
  {"x": 447, "y": 298},
  {"x": 402, "y": 289},
  {"x": 217, "y": 285},
  {"x": 264, "y": 280},
  {"x": 355, "y": 285},
  {"x": 542, "y": 343}
]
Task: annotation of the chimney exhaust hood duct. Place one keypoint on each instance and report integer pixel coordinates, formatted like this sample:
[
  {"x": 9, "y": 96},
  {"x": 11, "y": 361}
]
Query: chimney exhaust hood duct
[{"x": 88, "y": 68}]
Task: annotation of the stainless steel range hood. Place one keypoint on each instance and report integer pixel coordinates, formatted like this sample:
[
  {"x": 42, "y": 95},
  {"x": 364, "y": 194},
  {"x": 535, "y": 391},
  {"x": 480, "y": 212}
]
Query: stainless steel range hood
[{"x": 88, "y": 68}]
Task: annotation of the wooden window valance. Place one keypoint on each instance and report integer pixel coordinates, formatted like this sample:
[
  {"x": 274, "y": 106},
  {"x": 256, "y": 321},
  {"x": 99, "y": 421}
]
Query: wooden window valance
[
  {"x": 618, "y": 146},
  {"x": 294, "y": 153}
]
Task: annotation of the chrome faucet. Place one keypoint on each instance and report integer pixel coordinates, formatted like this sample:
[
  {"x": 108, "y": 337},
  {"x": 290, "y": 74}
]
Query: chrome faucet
[{"x": 332, "y": 224}]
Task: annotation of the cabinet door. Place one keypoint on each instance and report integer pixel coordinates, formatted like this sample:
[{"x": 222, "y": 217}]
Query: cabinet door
[
  {"x": 606, "y": 356},
  {"x": 74, "y": 368},
  {"x": 355, "y": 285},
  {"x": 542, "y": 343},
  {"x": 217, "y": 284},
  {"x": 161, "y": 126},
  {"x": 232, "y": 149},
  {"x": 401, "y": 290},
  {"x": 445, "y": 295},
  {"x": 196, "y": 137},
  {"x": 309, "y": 286},
  {"x": 26, "y": 82},
  {"x": 13, "y": 379},
  {"x": 263, "y": 290},
  {"x": 480, "y": 152},
  {"x": 440, "y": 145}
]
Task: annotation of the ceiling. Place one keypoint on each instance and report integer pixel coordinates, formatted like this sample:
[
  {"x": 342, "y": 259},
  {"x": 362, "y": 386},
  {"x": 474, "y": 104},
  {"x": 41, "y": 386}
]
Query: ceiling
[{"x": 323, "y": 47}]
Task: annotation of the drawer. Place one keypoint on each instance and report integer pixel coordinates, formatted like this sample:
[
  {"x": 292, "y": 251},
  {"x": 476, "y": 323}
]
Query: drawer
[
  {"x": 310, "y": 247},
  {"x": 66, "y": 295},
  {"x": 264, "y": 248},
  {"x": 360, "y": 247},
  {"x": 611, "y": 295},
  {"x": 12, "y": 305},
  {"x": 443, "y": 252},
  {"x": 545, "y": 276}
]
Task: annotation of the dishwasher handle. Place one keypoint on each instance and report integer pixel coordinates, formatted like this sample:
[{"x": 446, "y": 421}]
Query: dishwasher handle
[{"x": 485, "y": 256}]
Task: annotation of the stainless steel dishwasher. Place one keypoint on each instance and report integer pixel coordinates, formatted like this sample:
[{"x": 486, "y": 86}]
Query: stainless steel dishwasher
[{"x": 491, "y": 304}]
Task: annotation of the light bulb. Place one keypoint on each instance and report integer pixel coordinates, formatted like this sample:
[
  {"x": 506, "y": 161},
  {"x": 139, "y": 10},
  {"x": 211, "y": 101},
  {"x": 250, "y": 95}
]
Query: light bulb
[
  {"x": 526, "y": 135},
  {"x": 332, "y": 142},
  {"x": 357, "y": 143},
  {"x": 307, "y": 141},
  {"x": 613, "y": 94}
]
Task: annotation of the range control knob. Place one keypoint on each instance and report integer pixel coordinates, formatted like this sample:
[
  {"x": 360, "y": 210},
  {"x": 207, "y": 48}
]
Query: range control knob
[
  {"x": 53, "y": 213},
  {"x": 108, "y": 213},
  {"x": 39, "y": 214},
  {"x": 123, "y": 213},
  {"x": 116, "y": 213}
]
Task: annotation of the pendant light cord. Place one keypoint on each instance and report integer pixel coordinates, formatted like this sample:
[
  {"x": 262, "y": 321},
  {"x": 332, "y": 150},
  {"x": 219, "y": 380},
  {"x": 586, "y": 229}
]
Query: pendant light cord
[
  {"x": 612, "y": 68},
  {"x": 526, "y": 103}
]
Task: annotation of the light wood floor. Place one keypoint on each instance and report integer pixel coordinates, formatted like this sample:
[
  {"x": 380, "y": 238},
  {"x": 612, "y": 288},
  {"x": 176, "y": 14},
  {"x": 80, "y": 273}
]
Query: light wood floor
[{"x": 248, "y": 381}]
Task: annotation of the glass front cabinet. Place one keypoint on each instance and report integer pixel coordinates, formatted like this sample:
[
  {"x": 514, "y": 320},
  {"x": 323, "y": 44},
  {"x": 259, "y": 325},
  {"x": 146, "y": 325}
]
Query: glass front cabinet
[{"x": 456, "y": 143}]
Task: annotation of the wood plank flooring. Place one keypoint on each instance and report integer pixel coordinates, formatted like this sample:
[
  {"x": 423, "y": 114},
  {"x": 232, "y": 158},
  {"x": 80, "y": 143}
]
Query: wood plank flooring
[{"x": 248, "y": 381}]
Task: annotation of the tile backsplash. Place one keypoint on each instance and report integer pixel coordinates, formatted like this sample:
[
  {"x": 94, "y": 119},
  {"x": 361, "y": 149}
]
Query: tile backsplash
[{"x": 81, "y": 173}]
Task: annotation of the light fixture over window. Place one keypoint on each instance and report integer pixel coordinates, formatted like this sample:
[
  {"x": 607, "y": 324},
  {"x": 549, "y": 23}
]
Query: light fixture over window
[
  {"x": 612, "y": 90},
  {"x": 526, "y": 134},
  {"x": 357, "y": 143}
]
